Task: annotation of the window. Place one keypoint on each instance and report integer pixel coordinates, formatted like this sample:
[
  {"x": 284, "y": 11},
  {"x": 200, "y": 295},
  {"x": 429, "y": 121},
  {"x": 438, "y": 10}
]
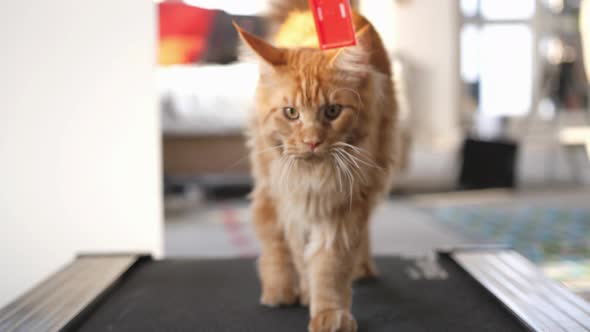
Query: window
[
  {"x": 507, "y": 9},
  {"x": 470, "y": 8},
  {"x": 506, "y": 69},
  {"x": 497, "y": 55}
]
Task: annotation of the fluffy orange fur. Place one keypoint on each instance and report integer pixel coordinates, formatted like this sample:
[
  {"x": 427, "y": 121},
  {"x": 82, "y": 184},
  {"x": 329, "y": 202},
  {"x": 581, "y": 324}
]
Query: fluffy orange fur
[{"x": 322, "y": 141}]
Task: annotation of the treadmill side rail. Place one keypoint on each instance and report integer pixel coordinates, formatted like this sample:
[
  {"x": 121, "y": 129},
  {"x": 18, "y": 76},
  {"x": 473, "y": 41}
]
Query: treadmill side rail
[
  {"x": 57, "y": 301},
  {"x": 542, "y": 304}
]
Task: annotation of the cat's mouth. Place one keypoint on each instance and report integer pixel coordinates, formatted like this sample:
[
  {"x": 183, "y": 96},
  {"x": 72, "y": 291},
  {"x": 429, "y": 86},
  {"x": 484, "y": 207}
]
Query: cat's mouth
[{"x": 311, "y": 156}]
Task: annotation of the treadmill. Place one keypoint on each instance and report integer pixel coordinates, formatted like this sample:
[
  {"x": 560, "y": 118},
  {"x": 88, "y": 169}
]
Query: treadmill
[{"x": 455, "y": 289}]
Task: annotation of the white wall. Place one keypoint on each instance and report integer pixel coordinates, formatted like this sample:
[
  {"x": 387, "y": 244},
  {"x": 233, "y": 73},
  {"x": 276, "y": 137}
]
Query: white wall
[
  {"x": 425, "y": 35},
  {"x": 79, "y": 134}
]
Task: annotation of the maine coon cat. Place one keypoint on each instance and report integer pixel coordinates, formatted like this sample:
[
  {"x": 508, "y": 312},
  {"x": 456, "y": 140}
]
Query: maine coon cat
[{"x": 322, "y": 148}]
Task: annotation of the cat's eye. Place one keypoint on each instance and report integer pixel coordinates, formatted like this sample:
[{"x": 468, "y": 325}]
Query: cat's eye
[
  {"x": 291, "y": 113},
  {"x": 333, "y": 111}
]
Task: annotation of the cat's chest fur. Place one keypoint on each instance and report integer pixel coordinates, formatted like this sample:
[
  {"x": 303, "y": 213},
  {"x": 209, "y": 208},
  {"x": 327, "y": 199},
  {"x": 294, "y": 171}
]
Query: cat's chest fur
[{"x": 312, "y": 193}]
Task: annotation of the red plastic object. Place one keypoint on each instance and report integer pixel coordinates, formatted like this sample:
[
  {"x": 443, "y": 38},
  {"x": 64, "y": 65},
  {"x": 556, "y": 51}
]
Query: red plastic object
[
  {"x": 333, "y": 22},
  {"x": 184, "y": 32}
]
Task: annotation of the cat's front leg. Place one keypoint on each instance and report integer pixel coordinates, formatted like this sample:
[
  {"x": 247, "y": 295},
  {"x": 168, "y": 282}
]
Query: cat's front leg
[
  {"x": 297, "y": 245},
  {"x": 365, "y": 266},
  {"x": 330, "y": 272},
  {"x": 277, "y": 273}
]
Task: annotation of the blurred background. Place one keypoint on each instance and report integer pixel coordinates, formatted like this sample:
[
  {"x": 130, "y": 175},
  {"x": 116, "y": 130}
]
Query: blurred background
[{"x": 122, "y": 130}]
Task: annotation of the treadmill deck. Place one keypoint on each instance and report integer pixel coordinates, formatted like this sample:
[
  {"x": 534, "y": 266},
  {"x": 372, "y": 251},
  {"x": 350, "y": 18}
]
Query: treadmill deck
[
  {"x": 464, "y": 289},
  {"x": 222, "y": 295}
]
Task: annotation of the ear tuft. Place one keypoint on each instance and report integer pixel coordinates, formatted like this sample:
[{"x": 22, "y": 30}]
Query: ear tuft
[{"x": 268, "y": 53}]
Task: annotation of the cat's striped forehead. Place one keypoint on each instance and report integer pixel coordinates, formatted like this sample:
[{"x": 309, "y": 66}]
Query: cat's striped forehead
[
  {"x": 308, "y": 91},
  {"x": 307, "y": 80},
  {"x": 309, "y": 72}
]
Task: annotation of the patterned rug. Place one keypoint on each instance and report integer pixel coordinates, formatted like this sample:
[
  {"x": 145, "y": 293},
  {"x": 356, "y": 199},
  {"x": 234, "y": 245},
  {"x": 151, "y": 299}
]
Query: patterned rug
[{"x": 555, "y": 238}]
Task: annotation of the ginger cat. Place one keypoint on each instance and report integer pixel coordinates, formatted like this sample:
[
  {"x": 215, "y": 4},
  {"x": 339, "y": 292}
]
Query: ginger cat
[{"x": 322, "y": 148}]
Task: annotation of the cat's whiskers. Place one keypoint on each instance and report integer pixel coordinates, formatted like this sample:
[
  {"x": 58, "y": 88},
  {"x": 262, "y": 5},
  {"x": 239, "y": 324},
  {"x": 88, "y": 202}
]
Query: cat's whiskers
[
  {"x": 272, "y": 148},
  {"x": 347, "y": 155},
  {"x": 338, "y": 172},
  {"x": 288, "y": 171},
  {"x": 344, "y": 166},
  {"x": 357, "y": 170},
  {"x": 353, "y": 147},
  {"x": 347, "y": 161},
  {"x": 359, "y": 159},
  {"x": 337, "y": 167},
  {"x": 285, "y": 161},
  {"x": 362, "y": 155}
]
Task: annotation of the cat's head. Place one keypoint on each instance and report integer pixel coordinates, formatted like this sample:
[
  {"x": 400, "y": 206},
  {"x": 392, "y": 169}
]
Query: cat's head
[{"x": 310, "y": 101}]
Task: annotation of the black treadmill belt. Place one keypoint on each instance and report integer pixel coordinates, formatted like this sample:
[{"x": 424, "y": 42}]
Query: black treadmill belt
[{"x": 222, "y": 295}]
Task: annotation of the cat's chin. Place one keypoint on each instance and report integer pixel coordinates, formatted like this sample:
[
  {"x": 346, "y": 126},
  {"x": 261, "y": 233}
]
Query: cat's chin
[{"x": 311, "y": 157}]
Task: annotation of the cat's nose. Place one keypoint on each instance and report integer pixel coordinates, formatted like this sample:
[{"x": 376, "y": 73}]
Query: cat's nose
[{"x": 312, "y": 143}]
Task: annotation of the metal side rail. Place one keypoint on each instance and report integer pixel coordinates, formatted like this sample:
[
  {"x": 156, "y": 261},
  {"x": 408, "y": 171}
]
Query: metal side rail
[
  {"x": 57, "y": 301},
  {"x": 540, "y": 303}
]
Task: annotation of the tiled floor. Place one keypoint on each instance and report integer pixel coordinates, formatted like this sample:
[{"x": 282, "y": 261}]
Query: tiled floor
[
  {"x": 224, "y": 230},
  {"x": 400, "y": 226}
]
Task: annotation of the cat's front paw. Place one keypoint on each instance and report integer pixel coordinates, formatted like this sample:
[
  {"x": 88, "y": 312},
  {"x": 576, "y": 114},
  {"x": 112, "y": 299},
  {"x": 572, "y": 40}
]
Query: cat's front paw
[
  {"x": 365, "y": 270},
  {"x": 277, "y": 296},
  {"x": 333, "y": 321},
  {"x": 304, "y": 298}
]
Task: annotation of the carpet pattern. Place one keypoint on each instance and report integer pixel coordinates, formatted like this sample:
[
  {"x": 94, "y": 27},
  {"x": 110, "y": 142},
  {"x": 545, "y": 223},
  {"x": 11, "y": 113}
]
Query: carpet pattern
[
  {"x": 540, "y": 233},
  {"x": 555, "y": 238}
]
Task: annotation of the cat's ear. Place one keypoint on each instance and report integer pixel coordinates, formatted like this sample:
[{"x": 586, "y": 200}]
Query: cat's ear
[
  {"x": 354, "y": 59},
  {"x": 271, "y": 55}
]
